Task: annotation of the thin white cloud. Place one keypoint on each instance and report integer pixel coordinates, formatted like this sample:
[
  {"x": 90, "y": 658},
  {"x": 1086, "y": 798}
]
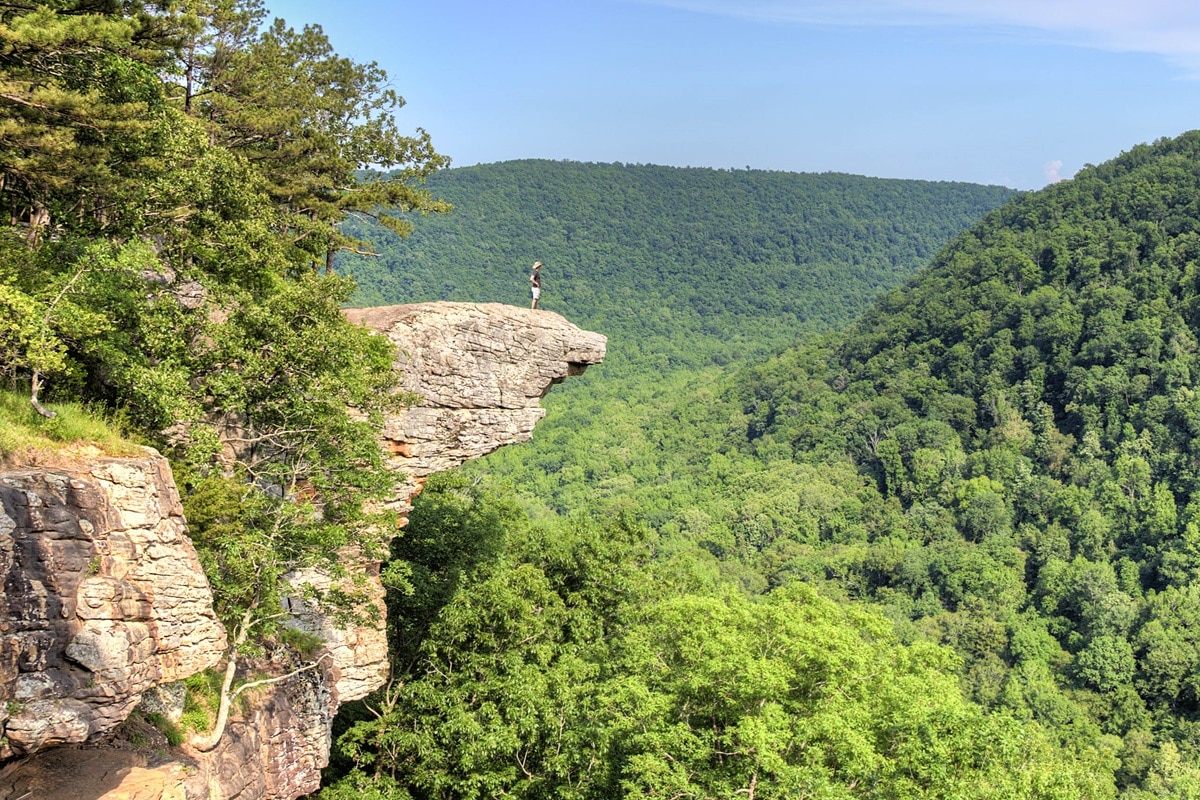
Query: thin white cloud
[
  {"x": 1052, "y": 171},
  {"x": 1167, "y": 28}
]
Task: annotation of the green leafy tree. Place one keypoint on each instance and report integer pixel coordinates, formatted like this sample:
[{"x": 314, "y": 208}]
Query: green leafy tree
[
  {"x": 451, "y": 534},
  {"x": 566, "y": 670},
  {"x": 79, "y": 91},
  {"x": 283, "y": 377},
  {"x": 1105, "y": 663}
]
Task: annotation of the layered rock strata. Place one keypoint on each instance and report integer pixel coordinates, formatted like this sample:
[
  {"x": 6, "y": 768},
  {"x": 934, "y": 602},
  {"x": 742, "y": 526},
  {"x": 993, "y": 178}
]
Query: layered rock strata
[
  {"x": 274, "y": 748},
  {"x": 475, "y": 374},
  {"x": 104, "y": 598}
]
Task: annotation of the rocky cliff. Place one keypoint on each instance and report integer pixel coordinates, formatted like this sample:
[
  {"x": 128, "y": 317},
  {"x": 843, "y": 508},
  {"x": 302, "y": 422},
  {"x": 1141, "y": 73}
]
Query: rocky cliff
[
  {"x": 478, "y": 371},
  {"x": 103, "y": 599},
  {"x": 85, "y": 616},
  {"x": 476, "y": 374}
]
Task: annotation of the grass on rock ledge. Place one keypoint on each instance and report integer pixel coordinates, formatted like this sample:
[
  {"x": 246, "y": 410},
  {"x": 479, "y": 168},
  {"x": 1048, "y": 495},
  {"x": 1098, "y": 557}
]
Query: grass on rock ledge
[{"x": 29, "y": 439}]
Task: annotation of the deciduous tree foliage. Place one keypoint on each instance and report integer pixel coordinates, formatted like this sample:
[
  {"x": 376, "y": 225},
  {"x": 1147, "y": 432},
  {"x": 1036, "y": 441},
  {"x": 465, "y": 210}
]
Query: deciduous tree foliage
[
  {"x": 568, "y": 667},
  {"x": 156, "y": 261},
  {"x": 999, "y": 456},
  {"x": 1025, "y": 403}
]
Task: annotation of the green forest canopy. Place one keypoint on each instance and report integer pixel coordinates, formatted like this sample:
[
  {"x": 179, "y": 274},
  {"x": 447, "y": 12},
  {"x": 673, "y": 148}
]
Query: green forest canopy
[{"x": 999, "y": 457}]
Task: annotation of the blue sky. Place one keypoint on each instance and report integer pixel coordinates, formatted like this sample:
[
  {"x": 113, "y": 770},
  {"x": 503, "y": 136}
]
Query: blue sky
[{"x": 1012, "y": 92}]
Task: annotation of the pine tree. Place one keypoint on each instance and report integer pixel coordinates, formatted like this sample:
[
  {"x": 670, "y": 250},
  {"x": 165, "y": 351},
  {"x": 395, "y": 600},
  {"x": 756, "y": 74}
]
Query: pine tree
[{"x": 309, "y": 121}]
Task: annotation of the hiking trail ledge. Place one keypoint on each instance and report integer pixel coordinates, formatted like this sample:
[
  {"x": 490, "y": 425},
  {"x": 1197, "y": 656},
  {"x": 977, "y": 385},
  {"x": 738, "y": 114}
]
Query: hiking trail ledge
[{"x": 479, "y": 371}]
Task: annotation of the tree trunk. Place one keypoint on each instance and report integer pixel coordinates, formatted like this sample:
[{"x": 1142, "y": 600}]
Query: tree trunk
[
  {"x": 39, "y": 218},
  {"x": 209, "y": 742},
  {"x": 35, "y": 386},
  {"x": 227, "y": 695}
]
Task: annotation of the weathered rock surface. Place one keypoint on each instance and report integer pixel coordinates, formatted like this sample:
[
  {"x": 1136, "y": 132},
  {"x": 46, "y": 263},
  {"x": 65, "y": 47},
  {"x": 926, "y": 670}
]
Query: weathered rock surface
[
  {"x": 276, "y": 749},
  {"x": 478, "y": 372},
  {"x": 104, "y": 599},
  {"x": 358, "y": 658},
  {"x": 70, "y": 774}
]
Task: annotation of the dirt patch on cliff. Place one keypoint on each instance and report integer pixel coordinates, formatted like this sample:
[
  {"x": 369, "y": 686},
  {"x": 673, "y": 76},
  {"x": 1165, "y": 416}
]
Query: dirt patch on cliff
[{"x": 134, "y": 765}]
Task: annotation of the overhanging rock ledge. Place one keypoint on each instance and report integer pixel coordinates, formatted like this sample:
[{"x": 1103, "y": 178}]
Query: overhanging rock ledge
[{"x": 479, "y": 370}]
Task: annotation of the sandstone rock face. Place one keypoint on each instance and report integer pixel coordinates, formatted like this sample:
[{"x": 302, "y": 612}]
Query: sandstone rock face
[
  {"x": 277, "y": 749},
  {"x": 70, "y": 774},
  {"x": 358, "y": 658},
  {"x": 104, "y": 599},
  {"x": 478, "y": 372}
]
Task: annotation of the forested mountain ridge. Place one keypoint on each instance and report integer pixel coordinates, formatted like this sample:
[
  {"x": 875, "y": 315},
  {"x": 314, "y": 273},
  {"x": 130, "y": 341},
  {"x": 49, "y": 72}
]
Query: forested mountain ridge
[
  {"x": 679, "y": 266},
  {"x": 1025, "y": 416},
  {"x": 1064, "y": 322},
  {"x": 684, "y": 270}
]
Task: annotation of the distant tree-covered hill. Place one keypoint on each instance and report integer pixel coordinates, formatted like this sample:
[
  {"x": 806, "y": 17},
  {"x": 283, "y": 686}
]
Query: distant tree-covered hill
[
  {"x": 679, "y": 267},
  {"x": 688, "y": 272},
  {"x": 998, "y": 456}
]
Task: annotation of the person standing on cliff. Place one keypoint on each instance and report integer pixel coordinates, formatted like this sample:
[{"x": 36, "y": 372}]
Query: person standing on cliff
[{"x": 536, "y": 280}]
